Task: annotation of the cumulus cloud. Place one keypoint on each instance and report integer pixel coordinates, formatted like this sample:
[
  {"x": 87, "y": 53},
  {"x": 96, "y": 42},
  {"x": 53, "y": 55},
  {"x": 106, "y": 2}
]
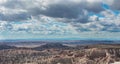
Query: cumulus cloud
[
  {"x": 44, "y": 26},
  {"x": 57, "y": 8},
  {"x": 59, "y": 16}
]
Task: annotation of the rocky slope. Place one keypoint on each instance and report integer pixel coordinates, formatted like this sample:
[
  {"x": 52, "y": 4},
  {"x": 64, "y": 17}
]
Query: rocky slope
[
  {"x": 3, "y": 47},
  {"x": 54, "y": 54}
]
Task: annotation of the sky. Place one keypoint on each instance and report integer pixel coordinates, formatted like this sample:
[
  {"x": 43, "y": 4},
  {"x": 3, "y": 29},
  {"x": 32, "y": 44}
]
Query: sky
[{"x": 60, "y": 19}]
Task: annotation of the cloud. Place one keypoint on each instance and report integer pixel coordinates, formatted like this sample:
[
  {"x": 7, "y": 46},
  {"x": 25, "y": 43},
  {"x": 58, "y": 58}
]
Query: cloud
[
  {"x": 56, "y": 8},
  {"x": 115, "y": 5},
  {"x": 7, "y": 14},
  {"x": 59, "y": 16},
  {"x": 45, "y": 26}
]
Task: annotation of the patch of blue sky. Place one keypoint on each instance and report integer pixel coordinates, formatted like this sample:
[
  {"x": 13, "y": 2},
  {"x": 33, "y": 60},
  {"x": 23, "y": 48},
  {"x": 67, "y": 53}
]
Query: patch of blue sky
[
  {"x": 105, "y": 6},
  {"x": 116, "y": 12},
  {"x": 100, "y": 15}
]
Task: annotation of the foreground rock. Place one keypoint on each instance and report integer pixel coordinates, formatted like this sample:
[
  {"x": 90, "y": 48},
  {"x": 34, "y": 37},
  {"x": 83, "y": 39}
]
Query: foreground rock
[{"x": 60, "y": 54}]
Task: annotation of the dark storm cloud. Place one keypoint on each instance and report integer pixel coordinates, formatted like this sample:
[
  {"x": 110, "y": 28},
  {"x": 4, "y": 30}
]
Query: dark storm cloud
[
  {"x": 116, "y": 5},
  {"x": 14, "y": 17},
  {"x": 61, "y": 9},
  {"x": 78, "y": 13},
  {"x": 71, "y": 10},
  {"x": 68, "y": 10}
]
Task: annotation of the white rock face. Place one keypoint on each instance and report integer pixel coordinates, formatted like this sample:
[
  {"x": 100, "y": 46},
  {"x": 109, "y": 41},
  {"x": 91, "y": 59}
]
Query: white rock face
[{"x": 116, "y": 63}]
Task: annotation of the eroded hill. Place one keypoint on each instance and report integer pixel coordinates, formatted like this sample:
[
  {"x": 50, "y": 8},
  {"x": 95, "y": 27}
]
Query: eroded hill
[{"x": 61, "y": 54}]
